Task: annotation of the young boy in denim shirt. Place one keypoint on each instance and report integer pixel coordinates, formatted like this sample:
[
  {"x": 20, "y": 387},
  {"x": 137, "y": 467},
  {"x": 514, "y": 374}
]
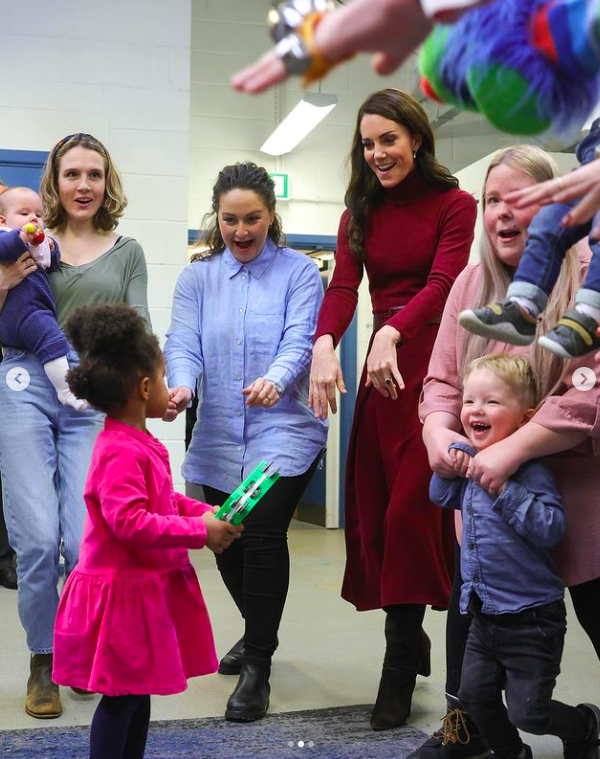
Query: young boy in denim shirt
[
  {"x": 510, "y": 583},
  {"x": 514, "y": 319}
]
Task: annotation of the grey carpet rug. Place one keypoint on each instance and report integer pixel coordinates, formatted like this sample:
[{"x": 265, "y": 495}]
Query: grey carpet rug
[{"x": 340, "y": 733}]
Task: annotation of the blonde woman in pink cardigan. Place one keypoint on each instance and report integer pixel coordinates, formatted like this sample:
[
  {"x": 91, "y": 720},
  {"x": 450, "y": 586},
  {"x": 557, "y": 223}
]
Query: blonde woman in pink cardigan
[{"x": 566, "y": 426}]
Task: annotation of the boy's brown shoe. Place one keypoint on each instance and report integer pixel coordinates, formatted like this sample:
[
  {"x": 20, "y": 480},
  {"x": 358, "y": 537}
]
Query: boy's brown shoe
[{"x": 43, "y": 699}]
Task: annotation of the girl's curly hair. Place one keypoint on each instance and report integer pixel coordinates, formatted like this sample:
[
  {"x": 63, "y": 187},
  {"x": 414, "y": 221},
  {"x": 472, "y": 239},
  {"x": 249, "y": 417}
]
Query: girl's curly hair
[{"x": 116, "y": 351}]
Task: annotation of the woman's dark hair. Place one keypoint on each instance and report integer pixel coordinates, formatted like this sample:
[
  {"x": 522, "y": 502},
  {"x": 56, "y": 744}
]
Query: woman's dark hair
[
  {"x": 364, "y": 191},
  {"x": 241, "y": 176},
  {"x": 116, "y": 350}
]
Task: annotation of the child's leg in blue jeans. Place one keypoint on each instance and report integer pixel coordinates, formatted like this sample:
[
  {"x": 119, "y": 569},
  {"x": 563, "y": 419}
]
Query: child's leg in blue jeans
[
  {"x": 548, "y": 243},
  {"x": 587, "y": 300},
  {"x": 120, "y": 727}
]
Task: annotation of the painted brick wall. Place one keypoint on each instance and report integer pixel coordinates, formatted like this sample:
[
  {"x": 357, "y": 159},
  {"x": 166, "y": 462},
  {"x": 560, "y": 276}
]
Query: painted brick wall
[
  {"x": 226, "y": 127},
  {"x": 119, "y": 70}
]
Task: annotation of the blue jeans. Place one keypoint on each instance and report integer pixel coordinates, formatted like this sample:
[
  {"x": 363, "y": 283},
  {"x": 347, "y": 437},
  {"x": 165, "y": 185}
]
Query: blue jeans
[
  {"x": 45, "y": 451},
  {"x": 548, "y": 243}
]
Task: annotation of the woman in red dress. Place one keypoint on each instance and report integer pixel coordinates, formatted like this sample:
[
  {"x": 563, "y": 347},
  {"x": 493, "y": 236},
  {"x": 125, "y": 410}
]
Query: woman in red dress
[{"x": 410, "y": 228}]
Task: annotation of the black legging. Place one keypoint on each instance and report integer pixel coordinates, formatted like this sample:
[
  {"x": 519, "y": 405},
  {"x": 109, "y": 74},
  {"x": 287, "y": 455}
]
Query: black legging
[
  {"x": 120, "y": 727},
  {"x": 256, "y": 568},
  {"x": 586, "y": 602}
]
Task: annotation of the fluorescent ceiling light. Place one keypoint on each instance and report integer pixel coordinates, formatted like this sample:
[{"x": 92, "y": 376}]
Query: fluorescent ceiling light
[{"x": 309, "y": 112}]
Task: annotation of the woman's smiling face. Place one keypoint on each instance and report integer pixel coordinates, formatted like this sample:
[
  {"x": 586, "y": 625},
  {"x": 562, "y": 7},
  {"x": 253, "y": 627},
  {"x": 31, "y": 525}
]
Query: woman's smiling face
[
  {"x": 388, "y": 148},
  {"x": 244, "y": 221},
  {"x": 81, "y": 183},
  {"x": 507, "y": 226}
]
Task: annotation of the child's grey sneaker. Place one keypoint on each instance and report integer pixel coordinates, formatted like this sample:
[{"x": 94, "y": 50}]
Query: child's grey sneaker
[
  {"x": 575, "y": 335},
  {"x": 590, "y": 747},
  {"x": 506, "y": 321}
]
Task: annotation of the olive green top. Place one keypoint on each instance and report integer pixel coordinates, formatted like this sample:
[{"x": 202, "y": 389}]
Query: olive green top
[{"x": 117, "y": 276}]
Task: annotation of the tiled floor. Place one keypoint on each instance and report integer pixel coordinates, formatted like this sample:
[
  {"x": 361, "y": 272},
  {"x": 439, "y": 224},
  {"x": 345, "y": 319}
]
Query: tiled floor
[{"x": 329, "y": 654}]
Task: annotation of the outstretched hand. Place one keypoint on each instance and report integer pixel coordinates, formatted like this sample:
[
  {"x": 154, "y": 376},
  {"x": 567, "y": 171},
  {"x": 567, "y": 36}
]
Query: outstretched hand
[
  {"x": 582, "y": 183},
  {"x": 391, "y": 29}
]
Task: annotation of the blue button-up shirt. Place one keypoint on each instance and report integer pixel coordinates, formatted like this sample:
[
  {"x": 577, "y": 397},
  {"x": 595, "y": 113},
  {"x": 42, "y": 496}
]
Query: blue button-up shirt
[
  {"x": 232, "y": 323},
  {"x": 506, "y": 556}
]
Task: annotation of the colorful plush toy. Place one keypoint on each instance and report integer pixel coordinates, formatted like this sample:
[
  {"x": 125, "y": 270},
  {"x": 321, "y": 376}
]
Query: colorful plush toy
[{"x": 529, "y": 66}]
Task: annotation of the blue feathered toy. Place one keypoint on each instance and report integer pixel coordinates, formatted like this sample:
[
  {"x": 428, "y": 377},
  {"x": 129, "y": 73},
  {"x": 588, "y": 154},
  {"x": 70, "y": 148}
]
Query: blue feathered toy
[{"x": 529, "y": 66}]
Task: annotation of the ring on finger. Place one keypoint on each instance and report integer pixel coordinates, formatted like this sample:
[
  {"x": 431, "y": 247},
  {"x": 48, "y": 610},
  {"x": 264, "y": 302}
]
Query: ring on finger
[
  {"x": 560, "y": 182},
  {"x": 388, "y": 380}
]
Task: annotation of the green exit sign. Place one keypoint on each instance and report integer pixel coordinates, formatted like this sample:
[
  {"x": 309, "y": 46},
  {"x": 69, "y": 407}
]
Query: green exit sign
[{"x": 282, "y": 185}]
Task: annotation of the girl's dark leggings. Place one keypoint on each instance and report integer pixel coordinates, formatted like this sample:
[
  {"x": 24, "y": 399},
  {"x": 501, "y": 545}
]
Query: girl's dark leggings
[{"x": 120, "y": 727}]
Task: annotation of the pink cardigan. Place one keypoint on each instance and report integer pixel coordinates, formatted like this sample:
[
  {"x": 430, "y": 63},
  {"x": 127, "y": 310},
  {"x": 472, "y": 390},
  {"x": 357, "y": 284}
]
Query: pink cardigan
[{"x": 577, "y": 471}]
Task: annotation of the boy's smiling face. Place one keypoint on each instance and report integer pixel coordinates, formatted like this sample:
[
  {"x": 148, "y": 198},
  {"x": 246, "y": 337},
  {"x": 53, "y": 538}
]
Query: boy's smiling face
[{"x": 491, "y": 411}]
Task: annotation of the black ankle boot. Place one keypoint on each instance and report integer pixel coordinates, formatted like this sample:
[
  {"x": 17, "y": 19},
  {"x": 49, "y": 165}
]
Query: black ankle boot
[
  {"x": 425, "y": 661},
  {"x": 394, "y": 699},
  {"x": 250, "y": 699},
  {"x": 231, "y": 663}
]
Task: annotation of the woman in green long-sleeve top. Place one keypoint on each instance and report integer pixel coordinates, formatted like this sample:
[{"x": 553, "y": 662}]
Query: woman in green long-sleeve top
[{"x": 45, "y": 447}]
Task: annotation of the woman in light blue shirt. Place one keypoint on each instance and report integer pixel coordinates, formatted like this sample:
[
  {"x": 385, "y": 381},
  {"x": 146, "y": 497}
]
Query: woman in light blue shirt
[{"x": 244, "y": 317}]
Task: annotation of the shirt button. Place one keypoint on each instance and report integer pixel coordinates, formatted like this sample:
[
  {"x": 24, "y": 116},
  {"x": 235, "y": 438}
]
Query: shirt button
[
  {"x": 238, "y": 378},
  {"x": 238, "y": 413},
  {"x": 471, "y": 546},
  {"x": 239, "y": 342},
  {"x": 469, "y": 509},
  {"x": 241, "y": 310},
  {"x": 476, "y": 578},
  {"x": 239, "y": 447}
]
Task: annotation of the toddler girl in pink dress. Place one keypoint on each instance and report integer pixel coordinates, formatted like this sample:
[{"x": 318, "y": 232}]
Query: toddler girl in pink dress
[{"x": 132, "y": 620}]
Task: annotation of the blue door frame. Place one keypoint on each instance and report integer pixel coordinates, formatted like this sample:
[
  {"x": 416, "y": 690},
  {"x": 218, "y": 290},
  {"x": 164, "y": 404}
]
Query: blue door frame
[{"x": 22, "y": 168}]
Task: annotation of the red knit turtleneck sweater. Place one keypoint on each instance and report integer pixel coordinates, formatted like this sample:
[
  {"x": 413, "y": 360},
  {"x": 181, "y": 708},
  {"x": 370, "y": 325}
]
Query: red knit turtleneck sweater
[{"x": 418, "y": 242}]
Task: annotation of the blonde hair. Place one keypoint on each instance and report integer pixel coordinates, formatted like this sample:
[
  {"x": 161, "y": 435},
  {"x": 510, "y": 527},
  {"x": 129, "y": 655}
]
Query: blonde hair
[
  {"x": 114, "y": 202},
  {"x": 514, "y": 371},
  {"x": 496, "y": 276}
]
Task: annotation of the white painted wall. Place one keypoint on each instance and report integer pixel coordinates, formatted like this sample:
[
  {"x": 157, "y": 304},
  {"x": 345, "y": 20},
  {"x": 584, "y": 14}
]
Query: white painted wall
[{"x": 120, "y": 71}]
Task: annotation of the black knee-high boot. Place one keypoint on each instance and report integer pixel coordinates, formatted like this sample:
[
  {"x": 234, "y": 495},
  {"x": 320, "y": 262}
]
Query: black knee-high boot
[{"x": 407, "y": 655}]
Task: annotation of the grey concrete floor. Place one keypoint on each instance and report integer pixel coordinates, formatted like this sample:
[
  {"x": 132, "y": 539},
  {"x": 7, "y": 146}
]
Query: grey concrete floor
[{"x": 329, "y": 654}]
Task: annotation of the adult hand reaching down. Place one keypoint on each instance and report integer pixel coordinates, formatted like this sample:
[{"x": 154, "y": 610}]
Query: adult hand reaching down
[{"x": 382, "y": 363}]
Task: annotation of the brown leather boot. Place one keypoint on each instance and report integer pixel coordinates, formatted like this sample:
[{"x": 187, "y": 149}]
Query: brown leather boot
[{"x": 43, "y": 699}]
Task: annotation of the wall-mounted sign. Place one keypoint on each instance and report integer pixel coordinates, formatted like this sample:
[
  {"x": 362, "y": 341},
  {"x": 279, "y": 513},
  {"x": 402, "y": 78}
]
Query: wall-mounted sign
[{"x": 282, "y": 186}]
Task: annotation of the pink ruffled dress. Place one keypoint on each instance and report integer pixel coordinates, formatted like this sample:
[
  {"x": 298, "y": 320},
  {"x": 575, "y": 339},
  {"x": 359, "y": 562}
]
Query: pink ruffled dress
[{"x": 131, "y": 618}]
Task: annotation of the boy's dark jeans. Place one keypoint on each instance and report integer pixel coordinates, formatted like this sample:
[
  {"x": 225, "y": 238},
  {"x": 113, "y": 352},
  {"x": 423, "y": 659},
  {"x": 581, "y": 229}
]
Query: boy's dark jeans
[{"x": 520, "y": 653}]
